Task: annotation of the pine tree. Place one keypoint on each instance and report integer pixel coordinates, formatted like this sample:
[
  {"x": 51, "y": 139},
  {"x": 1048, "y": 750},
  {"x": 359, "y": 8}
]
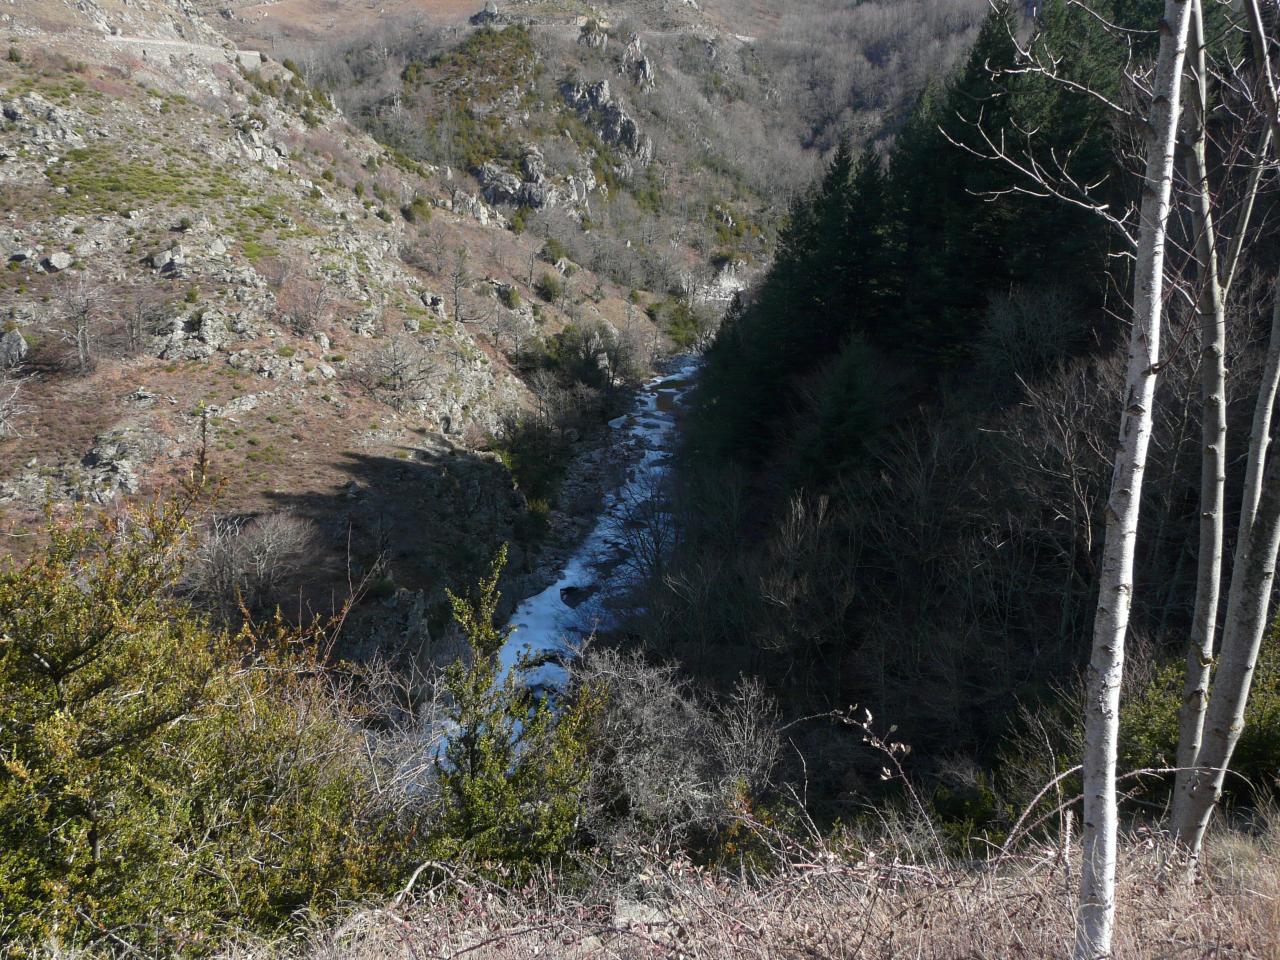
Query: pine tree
[{"x": 512, "y": 771}]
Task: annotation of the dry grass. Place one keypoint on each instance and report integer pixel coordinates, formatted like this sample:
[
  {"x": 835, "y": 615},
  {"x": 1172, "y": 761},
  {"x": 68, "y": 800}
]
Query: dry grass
[{"x": 825, "y": 906}]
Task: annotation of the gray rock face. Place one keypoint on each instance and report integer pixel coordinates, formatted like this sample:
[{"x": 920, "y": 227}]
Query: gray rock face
[
  {"x": 112, "y": 463},
  {"x": 592, "y": 36},
  {"x": 194, "y": 338},
  {"x": 489, "y": 16},
  {"x": 595, "y": 104},
  {"x": 40, "y": 123},
  {"x": 502, "y": 186},
  {"x": 538, "y": 195},
  {"x": 498, "y": 185},
  {"x": 471, "y": 206},
  {"x": 13, "y": 348},
  {"x": 637, "y": 66},
  {"x": 533, "y": 164}
]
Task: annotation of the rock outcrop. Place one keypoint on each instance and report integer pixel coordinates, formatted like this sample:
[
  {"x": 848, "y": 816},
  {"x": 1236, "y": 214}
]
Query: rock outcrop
[
  {"x": 637, "y": 66},
  {"x": 596, "y": 105}
]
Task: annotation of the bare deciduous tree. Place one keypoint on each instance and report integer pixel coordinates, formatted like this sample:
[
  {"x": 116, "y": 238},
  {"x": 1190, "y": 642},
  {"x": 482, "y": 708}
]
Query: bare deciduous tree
[
  {"x": 1248, "y": 602},
  {"x": 81, "y": 307},
  {"x": 12, "y": 408},
  {"x": 142, "y": 314},
  {"x": 398, "y": 372},
  {"x": 305, "y": 303},
  {"x": 249, "y": 563}
]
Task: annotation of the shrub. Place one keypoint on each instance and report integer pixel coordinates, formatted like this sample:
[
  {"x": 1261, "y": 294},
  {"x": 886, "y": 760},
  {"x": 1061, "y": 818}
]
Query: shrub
[
  {"x": 550, "y": 287},
  {"x": 417, "y": 210},
  {"x": 510, "y": 297},
  {"x": 161, "y": 778},
  {"x": 1149, "y": 724},
  {"x": 512, "y": 774},
  {"x": 553, "y": 251}
]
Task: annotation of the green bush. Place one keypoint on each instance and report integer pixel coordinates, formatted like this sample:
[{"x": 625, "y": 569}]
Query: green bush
[
  {"x": 553, "y": 251},
  {"x": 161, "y": 778},
  {"x": 417, "y": 210},
  {"x": 513, "y": 772},
  {"x": 550, "y": 287},
  {"x": 510, "y": 297},
  {"x": 1149, "y": 724}
]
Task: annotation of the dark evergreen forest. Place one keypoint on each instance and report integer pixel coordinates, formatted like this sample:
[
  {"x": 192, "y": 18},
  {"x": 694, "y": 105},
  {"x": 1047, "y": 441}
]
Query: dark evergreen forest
[{"x": 897, "y": 468}]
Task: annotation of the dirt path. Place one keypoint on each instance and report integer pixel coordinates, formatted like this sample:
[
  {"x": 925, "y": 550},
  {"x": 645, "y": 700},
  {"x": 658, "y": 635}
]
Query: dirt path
[{"x": 153, "y": 47}]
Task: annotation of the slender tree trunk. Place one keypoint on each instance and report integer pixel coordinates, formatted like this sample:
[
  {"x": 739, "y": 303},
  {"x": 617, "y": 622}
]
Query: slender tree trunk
[
  {"x": 1254, "y": 563},
  {"x": 1210, "y": 308},
  {"x": 1096, "y": 919},
  {"x": 1253, "y": 572}
]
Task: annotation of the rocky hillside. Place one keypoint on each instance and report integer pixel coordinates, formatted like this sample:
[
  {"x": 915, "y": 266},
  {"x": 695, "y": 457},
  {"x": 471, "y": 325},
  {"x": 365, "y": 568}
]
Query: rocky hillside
[
  {"x": 201, "y": 250},
  {"x": 393, "y": 283}
]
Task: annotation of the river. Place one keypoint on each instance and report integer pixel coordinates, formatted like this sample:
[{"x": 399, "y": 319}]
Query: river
[{"x": 633, "y": 525}]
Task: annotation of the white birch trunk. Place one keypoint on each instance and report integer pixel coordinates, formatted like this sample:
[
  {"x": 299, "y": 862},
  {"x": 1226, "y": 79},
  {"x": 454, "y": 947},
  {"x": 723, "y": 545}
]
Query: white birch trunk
[
  {"x": 1254, "y": 563},
  {"x": 1211, "y": 310},
  {"x": 1248, "y": 601},
  {"x": 1096, "y": 919}
]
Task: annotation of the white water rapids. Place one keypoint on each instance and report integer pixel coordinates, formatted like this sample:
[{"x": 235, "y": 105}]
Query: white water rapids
[{"x": 631, "y": 527}]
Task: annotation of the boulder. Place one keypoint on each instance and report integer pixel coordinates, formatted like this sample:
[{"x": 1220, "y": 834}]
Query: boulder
[
  {"x": 56, "y": 262},
  {"x": 170, "y": 261},
  {"x": 13, "y": 348},
  {"x": 489, "y": 16}
]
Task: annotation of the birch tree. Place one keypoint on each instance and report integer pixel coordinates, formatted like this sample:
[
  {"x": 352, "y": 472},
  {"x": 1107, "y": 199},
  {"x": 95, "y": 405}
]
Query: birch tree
[
  {"x": 1254, "y": 561},
  {"x": 1213, "y": 287},
  {"x": 1096, "y": 919}
]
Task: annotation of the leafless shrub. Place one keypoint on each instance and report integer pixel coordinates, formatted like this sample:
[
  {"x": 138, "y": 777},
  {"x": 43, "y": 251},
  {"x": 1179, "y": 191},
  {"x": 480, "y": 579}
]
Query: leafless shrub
[
  {"x": 12, "y": 409},
  {"x": 249, "y": 563},
  {"x": 404, "y": 726},
  {"x": 427, "y": 253},
  {"x": 670, "y": 766},
  {"x": 304, "y": 304},
  {"x": 398, "y": 372}
]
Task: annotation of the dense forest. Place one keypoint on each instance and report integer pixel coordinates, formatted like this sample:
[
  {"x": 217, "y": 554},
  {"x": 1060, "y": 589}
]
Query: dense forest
[{"x": 894, "y": 483}]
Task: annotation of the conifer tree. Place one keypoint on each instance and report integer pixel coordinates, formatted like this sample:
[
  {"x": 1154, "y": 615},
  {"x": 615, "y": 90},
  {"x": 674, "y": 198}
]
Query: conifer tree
[{"x": 511, "y": 774}]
